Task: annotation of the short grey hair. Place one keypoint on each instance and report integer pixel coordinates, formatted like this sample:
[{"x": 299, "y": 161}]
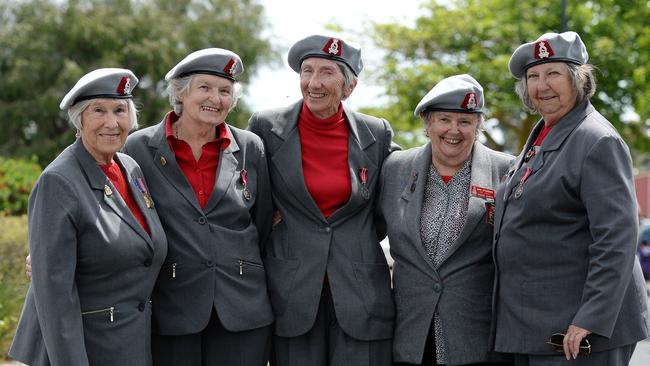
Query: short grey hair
[
  {"x": 582, "y": 78},
  {"x": 75, "y": 111},
  {"x": 348, "y": 75},
  {"x": 178, "y": 87}
]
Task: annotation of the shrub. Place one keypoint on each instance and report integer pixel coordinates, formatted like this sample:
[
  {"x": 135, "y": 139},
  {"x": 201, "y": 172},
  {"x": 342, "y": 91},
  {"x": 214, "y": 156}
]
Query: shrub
[
  {"x": 17, "y": 176},
  {"x": 13, "y": 283}
]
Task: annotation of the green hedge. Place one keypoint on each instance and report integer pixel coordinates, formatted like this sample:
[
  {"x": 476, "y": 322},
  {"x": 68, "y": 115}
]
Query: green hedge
[
  {"x": 17, "y": 176},
  {"x": 13, "y": 283}
]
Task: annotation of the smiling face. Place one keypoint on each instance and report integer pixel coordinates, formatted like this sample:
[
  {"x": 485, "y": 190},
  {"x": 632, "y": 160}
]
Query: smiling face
[
  {"x": 105, "y": 125},
  {"x": 551, "y": 90},
  {"x": 323, "y": 86},
  {"x": 452, "y": 136},
  {"x": 208, "y": 99}
]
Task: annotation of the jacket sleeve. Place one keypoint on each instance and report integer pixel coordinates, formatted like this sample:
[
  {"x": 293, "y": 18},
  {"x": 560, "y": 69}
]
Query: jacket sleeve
[
  {"x": 388, "y": 147},
  {"x": 607, "y": 191},
  {"x": 263, "y": 209},
  {"x": 53, "y": 246}
]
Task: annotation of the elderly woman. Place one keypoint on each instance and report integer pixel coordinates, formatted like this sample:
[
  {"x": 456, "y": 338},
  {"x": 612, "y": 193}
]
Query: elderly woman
[
  {"x": 95, "y": 239},
  {"x": 210, "y": 182},
  {"x": 438, "y": 201},
  {"x": 328, "y": 278},
  {"x": 569, "y": 290}
]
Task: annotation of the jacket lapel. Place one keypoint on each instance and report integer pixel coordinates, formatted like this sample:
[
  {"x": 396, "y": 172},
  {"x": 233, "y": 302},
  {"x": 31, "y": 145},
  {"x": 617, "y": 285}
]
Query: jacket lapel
[
  {"x": 165, "y": 161},
  {"x": 225, "y": 171},
  {"x": 287, "y": 160},
  {"x": 98, "y": 181},
  {"x": 413, "y": 194},
  {"x": 360, "y": 138},
  {"x": 138, "y": 196}
]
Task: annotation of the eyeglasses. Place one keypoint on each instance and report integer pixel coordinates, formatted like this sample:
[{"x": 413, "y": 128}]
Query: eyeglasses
[{"x": 557, "y": 342}]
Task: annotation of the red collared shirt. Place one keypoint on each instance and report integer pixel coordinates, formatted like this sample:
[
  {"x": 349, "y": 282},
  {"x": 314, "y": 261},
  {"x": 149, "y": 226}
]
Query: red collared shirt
[
  {"x": 116, "y": 176},
  {"x": 200, "y": 174}
]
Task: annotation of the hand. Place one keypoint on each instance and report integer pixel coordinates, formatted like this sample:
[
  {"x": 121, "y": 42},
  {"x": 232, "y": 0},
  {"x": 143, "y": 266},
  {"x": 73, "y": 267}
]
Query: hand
[
  {"x": 277, "y": 218},
  {"x": 574, "y": 335},
  {"x": 28, "y": 267}
]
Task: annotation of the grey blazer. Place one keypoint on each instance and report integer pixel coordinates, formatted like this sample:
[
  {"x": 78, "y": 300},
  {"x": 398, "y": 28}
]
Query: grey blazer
[
  {"x": 306, "y": 245},
  {"x": 461, "y": 288},
  {"x": 94, "y": 268},
  {"x": 565, "y": 250},
  {"x": 214, "y": 258}
]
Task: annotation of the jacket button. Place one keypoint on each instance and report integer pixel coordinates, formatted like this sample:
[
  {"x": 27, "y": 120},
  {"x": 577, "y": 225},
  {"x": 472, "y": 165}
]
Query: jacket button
[
  {"x": 437, "y": 287},
  {"x": 147, "y": 262},
  {"x": 202, "y": 220},
  {"x": 328, "y": 229},
  {"x": 208, "y": 263},
  {"x": 141, "y": 306}
]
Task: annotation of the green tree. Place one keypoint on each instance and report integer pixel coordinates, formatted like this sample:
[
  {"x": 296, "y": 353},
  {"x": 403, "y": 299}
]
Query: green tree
[
  {"x": 478, "y": 36},
  {"x": 47, "y": 45}
]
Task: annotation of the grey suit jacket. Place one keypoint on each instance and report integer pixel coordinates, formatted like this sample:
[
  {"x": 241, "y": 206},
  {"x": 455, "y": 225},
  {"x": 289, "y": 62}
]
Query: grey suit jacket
[
  {"x": 461, "y": 288},
  {"x": 94, "y": 268},
  {"x": 306, "y": 245},
  {"x": 565, "y": 250},
  {"x": 214, "y": 258}
]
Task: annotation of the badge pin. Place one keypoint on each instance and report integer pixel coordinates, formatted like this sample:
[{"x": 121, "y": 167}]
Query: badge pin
[
  {"x": 107, "y": 190},
  {"x": 365, "y": 193},
  {"x": 163, "y": 161}
]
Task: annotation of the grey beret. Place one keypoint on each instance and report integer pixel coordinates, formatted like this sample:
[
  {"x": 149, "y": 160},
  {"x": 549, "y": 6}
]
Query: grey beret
[
  {"x": 212, "y": 61},
  {"x": 101, "y": 83},
  {"x": 550, "y": 47},
  {"x": 458, "y": 93},
  {"x": 326, "y": 47}
]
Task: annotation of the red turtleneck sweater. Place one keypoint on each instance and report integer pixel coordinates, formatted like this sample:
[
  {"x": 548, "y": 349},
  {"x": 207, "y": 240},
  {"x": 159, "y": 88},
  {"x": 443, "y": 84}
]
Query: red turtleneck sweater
[{"x": 325, "y": 159}]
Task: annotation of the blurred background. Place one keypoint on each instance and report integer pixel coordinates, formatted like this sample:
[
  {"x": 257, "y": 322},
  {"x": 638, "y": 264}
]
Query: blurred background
[{"x": 408, "y": 46}]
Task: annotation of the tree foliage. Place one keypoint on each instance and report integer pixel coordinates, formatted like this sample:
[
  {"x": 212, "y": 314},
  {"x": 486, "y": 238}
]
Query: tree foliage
[
  {"x": 478, "y": 36},
  {"x": 47, "y": 45}
]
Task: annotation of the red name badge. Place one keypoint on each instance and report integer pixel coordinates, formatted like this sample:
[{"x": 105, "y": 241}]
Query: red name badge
[{"x": 484, "y": 193}]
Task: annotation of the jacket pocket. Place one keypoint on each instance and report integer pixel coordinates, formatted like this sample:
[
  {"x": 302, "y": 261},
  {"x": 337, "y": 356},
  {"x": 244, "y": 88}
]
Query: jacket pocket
[
  {"x": 373, "y": 281},
  {"x": 109, "y": 312}
]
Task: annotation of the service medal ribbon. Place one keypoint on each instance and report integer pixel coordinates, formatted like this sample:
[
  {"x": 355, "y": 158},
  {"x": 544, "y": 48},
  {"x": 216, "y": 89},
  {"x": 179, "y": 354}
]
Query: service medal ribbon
[
  {"x": 244, "y": 182},
  {"x": 363, "y": 176},
  {"x": 143, "y": 189}
]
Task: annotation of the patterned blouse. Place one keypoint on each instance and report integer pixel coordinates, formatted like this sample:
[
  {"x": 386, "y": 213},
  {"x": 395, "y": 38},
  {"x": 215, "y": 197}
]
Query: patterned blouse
[{"x": 444, "y": 210}]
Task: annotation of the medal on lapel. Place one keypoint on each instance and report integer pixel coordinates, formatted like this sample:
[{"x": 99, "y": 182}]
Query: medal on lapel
[
  {"x": 107, "y": 190},
  {"x": 489, "y": 212},
  {"x": 244, "y": 182},
  {"x": 520, "y": 187},
  {"x": 415, "y": 179},
  {"x": 143, "y": 189},
  {"x": 363, "y": 176}
]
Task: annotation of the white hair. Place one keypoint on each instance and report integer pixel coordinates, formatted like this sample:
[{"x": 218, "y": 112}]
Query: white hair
[
  {"x": 178, "y": 87},
  {"x": 75, "y": 111}
]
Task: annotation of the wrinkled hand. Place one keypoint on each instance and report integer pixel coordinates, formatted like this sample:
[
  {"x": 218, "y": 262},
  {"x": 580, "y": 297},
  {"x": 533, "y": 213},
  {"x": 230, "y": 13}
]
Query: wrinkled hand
[
  {"x": 28, "y": 267},
  {"x": 277, "y": 218},
  {"x": 574, "y": 335}
]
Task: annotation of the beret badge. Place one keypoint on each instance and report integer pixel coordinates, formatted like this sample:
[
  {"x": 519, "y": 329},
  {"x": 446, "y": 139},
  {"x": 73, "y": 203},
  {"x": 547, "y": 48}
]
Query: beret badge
[
  {"x": 469, "y": 102},
  {"x": 333, "y": 47},
  {"x": 231, "y": 66},
  {"x": 543, "y": 50},
  {"x": 124, "y": 87}
]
